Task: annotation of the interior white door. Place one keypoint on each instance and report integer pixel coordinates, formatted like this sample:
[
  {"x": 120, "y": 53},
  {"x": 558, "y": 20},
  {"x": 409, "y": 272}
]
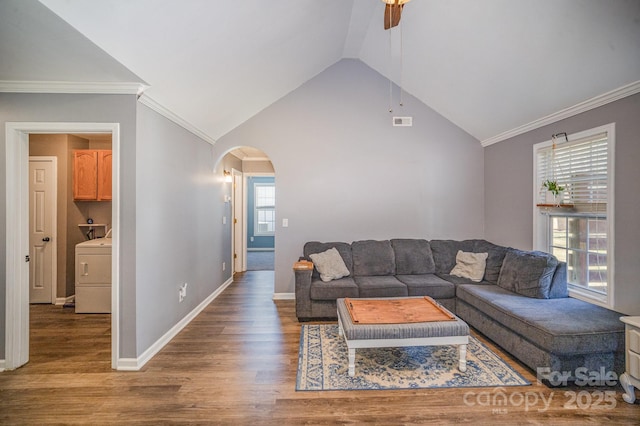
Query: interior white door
[
  {"x": 238, "y": 225},
  {"x": 42, "y": 209}
]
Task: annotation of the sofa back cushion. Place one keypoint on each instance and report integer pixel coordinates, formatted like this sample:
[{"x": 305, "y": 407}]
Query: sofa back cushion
[
  {"x": 559, "y": 282},
  {"x": 445, "y": 251},
  {"x": 528, "y": 273},
  {"x": 413, "y": 257},
  {"x": 317, "y": 247},
  {"x": 373, "y": 258},
  {"x": 494, "y": 260}
]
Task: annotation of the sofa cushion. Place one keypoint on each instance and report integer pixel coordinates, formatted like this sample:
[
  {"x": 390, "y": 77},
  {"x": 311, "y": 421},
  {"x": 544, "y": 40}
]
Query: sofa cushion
[
  {"x": 559, "y": 282},
  {"x": 444, "y": 253},
  {"x": 373, "y": 258},
  {"x": 317, "y": 247},
  {"x": 560, "y": 326},
  {"x": 380, "y": 286},
  {"x": 528, "y": 273},
  {"x": 494, "y": 260},
  {"x": 470, "y": 265},
  {"x": 343, "y": 287},
  {"x": 413, "y": 256},
  {"x": 329, "y": 264},
  {"x": 428, "y": 285},
  {"x": 460, "y": 280}
]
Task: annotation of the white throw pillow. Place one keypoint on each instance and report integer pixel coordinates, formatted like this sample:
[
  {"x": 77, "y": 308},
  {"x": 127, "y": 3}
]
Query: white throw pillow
[
  {"x": 329, "y": 264},
  {"x": 470, "y": 265}
]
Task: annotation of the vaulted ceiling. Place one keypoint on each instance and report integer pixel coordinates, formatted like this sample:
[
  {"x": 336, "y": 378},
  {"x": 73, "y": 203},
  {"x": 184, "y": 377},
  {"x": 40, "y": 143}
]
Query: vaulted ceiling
[{"x": 488, "y": 66}]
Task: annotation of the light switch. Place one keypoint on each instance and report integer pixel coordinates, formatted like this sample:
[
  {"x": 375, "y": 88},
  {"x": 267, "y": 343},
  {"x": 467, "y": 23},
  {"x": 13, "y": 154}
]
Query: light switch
[{"x": 285, "y": 223}]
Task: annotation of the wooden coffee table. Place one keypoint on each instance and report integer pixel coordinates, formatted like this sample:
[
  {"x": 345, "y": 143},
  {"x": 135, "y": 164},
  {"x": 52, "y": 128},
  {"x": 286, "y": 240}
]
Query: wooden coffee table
[{"x": 431, "y": 333}]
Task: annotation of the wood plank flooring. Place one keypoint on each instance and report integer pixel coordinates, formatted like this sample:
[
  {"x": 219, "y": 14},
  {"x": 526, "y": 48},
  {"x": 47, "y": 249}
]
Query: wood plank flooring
[{"x": 236, "y": 364}]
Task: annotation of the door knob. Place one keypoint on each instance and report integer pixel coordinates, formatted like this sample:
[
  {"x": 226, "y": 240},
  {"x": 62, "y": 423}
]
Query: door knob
[{"x": 46, "y": 239}]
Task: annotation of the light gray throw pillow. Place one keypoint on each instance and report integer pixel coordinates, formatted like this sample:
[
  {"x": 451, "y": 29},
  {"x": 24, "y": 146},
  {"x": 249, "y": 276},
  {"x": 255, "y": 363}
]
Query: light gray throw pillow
[
  {"x": 470, "y": 265},
  {"x": 329, "y": 264}
]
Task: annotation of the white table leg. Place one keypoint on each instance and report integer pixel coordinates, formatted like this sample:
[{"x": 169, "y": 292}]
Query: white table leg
[
  {"x": 629, "y": 394},
  {"x": 352, "y": 362},
  {"x": 462, "y": 364}
]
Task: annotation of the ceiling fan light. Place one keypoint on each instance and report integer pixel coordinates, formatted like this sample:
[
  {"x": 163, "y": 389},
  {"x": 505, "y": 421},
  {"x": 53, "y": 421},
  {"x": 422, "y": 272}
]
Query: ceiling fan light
[{"x": 400, "y": 2}]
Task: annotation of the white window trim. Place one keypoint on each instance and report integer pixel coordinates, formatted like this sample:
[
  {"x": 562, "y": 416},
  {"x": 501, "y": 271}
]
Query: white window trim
[
  {"x": 540, "y": 219},
  {"x": 256, "y": 227}
]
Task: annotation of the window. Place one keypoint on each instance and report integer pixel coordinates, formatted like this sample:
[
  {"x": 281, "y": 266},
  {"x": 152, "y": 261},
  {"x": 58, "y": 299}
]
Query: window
[
  {"x": 579, "y": 231},
  {"x": 265, "y": 209}
]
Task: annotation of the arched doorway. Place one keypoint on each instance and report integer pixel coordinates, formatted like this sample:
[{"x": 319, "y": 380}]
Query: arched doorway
[{"x": 253, "y": 209}]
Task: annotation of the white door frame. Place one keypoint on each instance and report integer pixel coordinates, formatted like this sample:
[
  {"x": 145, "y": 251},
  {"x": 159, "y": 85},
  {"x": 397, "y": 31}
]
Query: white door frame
[
  {"x": 54, "y": 223},
  {"x": 17, "y": 231},
  {"x": 238, "y": 247}
]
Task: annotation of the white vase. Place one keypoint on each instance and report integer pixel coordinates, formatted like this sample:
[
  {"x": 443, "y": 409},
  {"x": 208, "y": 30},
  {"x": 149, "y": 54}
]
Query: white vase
[{"x": 549, "y": 198}]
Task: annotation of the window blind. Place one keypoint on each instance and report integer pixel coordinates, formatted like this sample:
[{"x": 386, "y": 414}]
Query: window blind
[{"x": 580, "y": 167}]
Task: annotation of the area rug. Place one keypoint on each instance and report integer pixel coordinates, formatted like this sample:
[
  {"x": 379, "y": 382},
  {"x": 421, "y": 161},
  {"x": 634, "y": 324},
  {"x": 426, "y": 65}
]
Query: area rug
[{"x": 322, "y": 365}]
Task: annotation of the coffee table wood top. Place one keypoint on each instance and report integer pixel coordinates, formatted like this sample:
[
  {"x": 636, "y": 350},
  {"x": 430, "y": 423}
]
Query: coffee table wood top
[{"x": 396, "y": 310}]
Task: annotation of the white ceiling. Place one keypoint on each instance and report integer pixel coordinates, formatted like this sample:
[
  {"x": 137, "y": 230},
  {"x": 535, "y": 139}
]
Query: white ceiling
[{"x": 489, "y": 66}]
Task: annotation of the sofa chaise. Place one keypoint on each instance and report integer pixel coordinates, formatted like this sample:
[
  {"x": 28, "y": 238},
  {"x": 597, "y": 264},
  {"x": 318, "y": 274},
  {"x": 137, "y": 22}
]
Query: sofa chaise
[{"x": 518, "y": 299}]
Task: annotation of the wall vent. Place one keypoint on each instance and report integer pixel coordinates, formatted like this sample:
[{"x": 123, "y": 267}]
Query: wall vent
[{"x": 403, "y": 121}]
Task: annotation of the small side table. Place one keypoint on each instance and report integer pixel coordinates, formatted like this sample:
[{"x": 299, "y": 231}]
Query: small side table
[
  {"x": 302, "y": 265},
  {"x": 631, "y": 377}
]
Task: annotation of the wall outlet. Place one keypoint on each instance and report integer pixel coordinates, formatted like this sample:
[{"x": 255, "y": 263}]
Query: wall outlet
[
  {"x": 224, "y": 266},
  {"x": 182, "y": 292}
]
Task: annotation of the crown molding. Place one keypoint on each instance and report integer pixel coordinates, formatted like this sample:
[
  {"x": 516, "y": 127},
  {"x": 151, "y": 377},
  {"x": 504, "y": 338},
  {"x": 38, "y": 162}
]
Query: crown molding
[
  {"x": 112, "y": 88},
  {"x": 255, "y": 159},
  {"x": 595, "y": 102},
  {"x": 167, "y": 113}
]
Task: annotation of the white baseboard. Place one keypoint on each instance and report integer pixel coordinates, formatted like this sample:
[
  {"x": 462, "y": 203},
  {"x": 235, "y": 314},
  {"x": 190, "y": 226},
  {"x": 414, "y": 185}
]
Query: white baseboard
[
  {"x": 2, "y": 365},
  {"x": 62, "y": 300},
  {"x": 284, "y": 296},
  {"x": 135, "y": 364}
]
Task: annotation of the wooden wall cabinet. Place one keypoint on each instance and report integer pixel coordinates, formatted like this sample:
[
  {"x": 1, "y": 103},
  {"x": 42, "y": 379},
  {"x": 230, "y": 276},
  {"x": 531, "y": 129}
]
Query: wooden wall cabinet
[{"x": 92, "y": 175}]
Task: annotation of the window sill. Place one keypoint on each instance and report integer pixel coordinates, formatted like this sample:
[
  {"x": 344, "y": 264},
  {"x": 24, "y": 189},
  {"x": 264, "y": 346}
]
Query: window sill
[
  {"x": 564, "y": 206},
  {"x": 587, "y": 296}
]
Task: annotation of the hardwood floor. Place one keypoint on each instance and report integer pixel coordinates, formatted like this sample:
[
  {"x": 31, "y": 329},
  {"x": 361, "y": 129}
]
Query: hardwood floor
[{"x": 236, "y": 364}]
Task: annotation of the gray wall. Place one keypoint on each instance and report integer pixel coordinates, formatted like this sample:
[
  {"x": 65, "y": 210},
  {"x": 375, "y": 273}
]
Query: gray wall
[
  {"x": 180, "y": 235},
  {"x": 508, "y": 181},
  {"x": 82, "y": 108},
  {"x": 344, "y": 173}
]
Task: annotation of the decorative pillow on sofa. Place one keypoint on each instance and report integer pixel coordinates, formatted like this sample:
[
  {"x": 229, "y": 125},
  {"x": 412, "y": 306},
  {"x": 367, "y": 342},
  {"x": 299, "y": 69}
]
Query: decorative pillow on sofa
[
  {"x": 528, "y": 273},
  {"x": 329, "y": 264},
  {"x": 470, "y": 265}
]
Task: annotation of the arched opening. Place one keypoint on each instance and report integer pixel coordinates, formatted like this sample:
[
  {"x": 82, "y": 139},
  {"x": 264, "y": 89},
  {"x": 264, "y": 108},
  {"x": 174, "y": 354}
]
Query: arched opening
[{"x": 252, "y": 209}]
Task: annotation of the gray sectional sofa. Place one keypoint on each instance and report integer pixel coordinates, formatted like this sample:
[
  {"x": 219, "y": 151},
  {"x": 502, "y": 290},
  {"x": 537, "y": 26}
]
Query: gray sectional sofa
[{"x": 521, "y": 302}]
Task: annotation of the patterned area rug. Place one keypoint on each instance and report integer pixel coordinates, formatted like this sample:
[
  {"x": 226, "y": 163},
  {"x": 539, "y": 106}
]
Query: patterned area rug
[{"x": 322, "y": 365}]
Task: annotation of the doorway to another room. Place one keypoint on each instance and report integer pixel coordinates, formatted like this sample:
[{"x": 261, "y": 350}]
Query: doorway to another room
[
  {"x": 253, "y": 209},
  {"x": 70, "y": 220},
  {"x": 261, "y": 223},
  {"x": 70, "y": 253}
]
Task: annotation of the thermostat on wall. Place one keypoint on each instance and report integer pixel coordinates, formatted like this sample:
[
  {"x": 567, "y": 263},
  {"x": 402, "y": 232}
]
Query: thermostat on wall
[{"x": 403, "y": 121}]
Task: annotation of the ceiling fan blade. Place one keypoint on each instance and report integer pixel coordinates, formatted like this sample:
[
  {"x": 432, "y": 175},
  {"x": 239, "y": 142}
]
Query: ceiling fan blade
[{"x": 392, "y": 14}]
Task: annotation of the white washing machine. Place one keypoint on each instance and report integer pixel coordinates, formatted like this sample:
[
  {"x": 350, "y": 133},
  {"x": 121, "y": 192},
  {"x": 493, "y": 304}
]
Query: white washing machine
[{"x": 93, "y": 276}]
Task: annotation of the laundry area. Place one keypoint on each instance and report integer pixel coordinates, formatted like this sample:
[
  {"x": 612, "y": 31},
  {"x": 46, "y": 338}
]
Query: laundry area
[
  {"x": 93, "y": 276},
  {"x": 70, "y": 204}
]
